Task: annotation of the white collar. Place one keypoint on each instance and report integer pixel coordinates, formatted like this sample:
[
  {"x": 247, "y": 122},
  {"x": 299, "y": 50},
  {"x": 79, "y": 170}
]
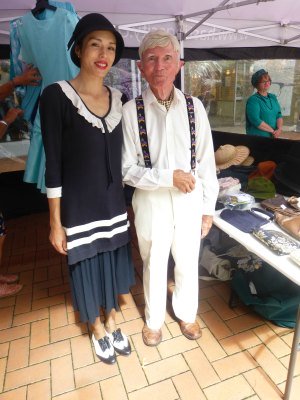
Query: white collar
[{"x": 112, "y": 118}]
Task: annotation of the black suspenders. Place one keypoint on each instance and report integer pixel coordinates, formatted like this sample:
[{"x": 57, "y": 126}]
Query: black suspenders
[{"x": 140, "y": 109}]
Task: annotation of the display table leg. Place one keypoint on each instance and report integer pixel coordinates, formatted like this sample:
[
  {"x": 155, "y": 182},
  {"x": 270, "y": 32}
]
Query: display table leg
[{"x": 293, "y": 356}]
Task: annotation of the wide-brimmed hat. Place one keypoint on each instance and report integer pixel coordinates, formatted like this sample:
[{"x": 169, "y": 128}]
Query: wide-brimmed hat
[
  {"x": 89, "y": 23},
  {"x": 249, "y": 161},
  {"x": 228, "y": 155},
  {"x": 257, "y": 75}
]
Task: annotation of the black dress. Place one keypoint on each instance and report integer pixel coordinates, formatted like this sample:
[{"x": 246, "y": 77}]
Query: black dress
[{"x": 83, "y": 167}]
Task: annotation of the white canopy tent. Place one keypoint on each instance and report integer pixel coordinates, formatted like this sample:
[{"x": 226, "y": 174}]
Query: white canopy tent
[{"x": 197, "y": 23}]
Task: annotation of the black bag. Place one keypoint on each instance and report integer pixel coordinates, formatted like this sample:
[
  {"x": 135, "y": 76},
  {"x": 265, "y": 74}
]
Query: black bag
[
  {"x": 276, "y": 298},
  {"x": 248, "y": 220}
]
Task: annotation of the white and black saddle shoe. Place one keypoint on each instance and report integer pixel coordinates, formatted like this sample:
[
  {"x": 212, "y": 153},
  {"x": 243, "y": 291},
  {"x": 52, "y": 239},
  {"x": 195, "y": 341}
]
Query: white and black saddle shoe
[
  {"x": 120, "y": 342},
  {"x": 104, "y": 350}
]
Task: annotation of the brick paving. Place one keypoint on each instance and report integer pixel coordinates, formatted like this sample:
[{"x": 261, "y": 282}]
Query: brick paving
[{"x": 46, "y": 353}]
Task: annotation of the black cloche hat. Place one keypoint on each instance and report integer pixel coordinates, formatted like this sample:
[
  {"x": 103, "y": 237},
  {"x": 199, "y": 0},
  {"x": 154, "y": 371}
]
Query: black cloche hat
[{"x": 89, "y": 23}]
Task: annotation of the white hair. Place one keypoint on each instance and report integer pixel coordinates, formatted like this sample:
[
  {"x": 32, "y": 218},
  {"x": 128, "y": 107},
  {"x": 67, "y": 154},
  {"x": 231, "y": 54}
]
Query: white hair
[{"x": 158, "y": 38}]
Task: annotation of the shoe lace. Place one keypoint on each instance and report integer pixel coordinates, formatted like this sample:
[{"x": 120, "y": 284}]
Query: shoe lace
[
  {"x": 104, "y": 343},
  {"x": 117, "y": 335}
]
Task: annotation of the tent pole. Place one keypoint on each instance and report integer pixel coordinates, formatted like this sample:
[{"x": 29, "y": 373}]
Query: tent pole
[{"x": 180, "y": 37}]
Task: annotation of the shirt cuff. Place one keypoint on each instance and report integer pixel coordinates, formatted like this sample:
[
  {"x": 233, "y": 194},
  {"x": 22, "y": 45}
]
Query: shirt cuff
[
  {"x": 52, "y": 193},
  {"x": 166, "y": 178}
]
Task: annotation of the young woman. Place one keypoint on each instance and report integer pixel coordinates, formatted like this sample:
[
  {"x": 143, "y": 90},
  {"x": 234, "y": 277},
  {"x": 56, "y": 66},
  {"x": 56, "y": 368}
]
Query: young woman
[{"x": 82, "y": 135}]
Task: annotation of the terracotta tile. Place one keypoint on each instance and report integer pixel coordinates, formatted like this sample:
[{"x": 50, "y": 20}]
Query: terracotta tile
[
  {"x": 49, "y": 283},
  {"x": 39, "y": 293},
  {"x": 295, "y": 390},
  {"x": 23, "y": 303},
  {"x": 263, "y": 386},
  {"x": 55, "y": 271},
  {"x": 210, "y": 346},
  {"x": 175, "y": 346},
  {"x": 274, "y": 343},
  {"x": 126, "y": 301},
  {"x": 26, "y": 277},
  {"x": 68, "y": 331},
  {"x": 28, "y": 375},
  {"x": 174, "y": 329},
  {"x": 234, "y": 365},
  {"x": 205, "y": 375},
  {"x": 165, "y": 369},
  {"x": 6, "y": 317},
  {"x": 14, "y": 333},
  {"x": 82, "y": 353},
  {"x": 39, "y": 333},
  {"x": 119, "y": 318},
  {"x": 216, "y": 325},
  {"x": 132, "y": 372},
  {"x": 91, "y": 392},
  {"x": 279, "y": 330},
  {"x": 47, "y": 302},
  {"x": 236, "y": 388},
  {"x": 65, "y": 288},
  {"x": 113, "y": 389},
  {"x": 18, "y": 394},
  {"x": 223, "y": 289},
  {"x": 132, "y": 327},
  {"x": 203, "y": 307},
  {"x": 73, "y": 317},
  {"x": 146, "y": 354},
  {"x": 94, "y": 373},
  {"x": 286, "y": 360},
  {"x": 39, "y": 390},
  {"x": 4, "y": 350},
  {"x": 221, "y": 307},
  {"x": 62, "y": 379},
  {"x": 244, "y": 322},
  {"x": 31, "y": 317},
  {"x": 276, "y": 371},
  {"x": 50, "y": 352},
  {"x": 7, "y": 302},
  {"x": 187, "y": 387},
  {"x": 288, "y": 338},
  {"x": 239, "y": 342},
  {"x": 160, "y": 391},
  {"x": 3, "y": 362},
  {"x": 58, "y": 316},
  {"x": 40, "y": 274},
  {"x": 205, "y": 293},
  {"x": 133, "y": 313},
  {"x": 18, "y": 354}
]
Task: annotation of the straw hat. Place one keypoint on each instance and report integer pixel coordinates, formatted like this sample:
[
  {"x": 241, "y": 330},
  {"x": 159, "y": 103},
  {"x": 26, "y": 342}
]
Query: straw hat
[
  {"x": 228, "y": 155},
  {"x": 249, "y": 161}
]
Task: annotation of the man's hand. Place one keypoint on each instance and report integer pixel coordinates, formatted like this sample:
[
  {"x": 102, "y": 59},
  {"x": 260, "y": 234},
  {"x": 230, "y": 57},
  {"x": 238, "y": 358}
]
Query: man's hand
[
  {"x": 207, "y": 221},
  {"x": 12, "y": 114},
  {"x": 184, "y": 181}
]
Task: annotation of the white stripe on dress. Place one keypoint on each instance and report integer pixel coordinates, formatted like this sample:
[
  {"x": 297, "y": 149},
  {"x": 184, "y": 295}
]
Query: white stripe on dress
[
  {"x": 95, "y": 224},
  {"x": 97, "y": 235}
]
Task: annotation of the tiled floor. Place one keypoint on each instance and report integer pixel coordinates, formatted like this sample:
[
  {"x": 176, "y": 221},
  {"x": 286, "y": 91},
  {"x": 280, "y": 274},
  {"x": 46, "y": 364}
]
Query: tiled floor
[{"x": 45, "y": 353}]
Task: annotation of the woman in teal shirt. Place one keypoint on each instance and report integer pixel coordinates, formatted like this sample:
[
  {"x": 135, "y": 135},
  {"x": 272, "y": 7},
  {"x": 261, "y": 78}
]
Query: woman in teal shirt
[{"x": 263, "y": 113}]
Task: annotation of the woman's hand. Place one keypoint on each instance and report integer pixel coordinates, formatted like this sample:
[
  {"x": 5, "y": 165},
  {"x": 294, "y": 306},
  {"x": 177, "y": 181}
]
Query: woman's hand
[
  {"x": 277, "y": 133},
  {"x": 58, "y": 239},
  {"x": 31, "y": 76}
]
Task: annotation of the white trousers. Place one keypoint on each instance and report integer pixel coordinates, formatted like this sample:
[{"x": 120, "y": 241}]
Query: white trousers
[{"x": 167, "y": 220}]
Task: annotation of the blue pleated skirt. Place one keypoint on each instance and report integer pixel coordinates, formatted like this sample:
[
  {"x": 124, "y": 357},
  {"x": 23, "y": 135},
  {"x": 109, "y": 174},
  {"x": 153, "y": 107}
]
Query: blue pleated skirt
[{"x": 96, "y": 282}]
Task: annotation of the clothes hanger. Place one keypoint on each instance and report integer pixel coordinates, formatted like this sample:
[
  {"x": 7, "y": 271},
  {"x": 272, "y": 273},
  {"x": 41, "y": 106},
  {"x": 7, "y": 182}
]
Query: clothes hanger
[{"x": 42, "y": 5}]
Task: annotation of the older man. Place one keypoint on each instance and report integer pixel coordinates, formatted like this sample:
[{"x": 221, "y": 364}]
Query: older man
[{"x": 168, "y": 157}]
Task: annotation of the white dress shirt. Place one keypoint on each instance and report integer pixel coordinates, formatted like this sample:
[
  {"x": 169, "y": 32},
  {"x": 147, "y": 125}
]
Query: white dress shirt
[{"x": 170, "y": 146}]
